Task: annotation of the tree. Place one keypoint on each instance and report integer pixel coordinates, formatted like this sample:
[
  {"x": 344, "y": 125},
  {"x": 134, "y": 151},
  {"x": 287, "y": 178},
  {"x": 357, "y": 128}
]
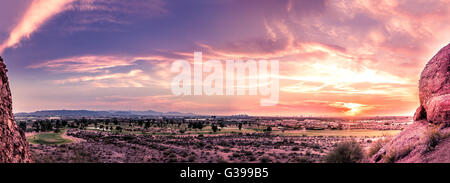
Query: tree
[
  {"x": 147, "y": 125},
  {"x": 107, "y": 122},
  {"x": 58, "y": 124},
  {"x": 240, "y": 126},
  {"x": 221, "y": 123},
  {"x": 23, "y": 126},
  {"x": 84, "y": 121},
  {"x": 64, "y": 123},
  {"x": 118, "y": 128},
  {"x": 36, "y": 126},
  {"x": 214, "y": 128},
  {"x": 196, "y": 125}
]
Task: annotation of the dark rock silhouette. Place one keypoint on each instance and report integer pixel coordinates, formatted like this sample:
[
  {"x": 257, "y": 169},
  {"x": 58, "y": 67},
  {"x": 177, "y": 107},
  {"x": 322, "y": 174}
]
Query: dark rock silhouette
[
  {"x": 427, "y": 139},
  {"x": 13, "y": 145}
]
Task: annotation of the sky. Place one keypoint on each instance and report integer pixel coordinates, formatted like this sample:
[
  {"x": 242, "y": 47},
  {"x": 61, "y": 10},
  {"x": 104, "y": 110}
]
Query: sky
[{"x": 336, "y": 58}]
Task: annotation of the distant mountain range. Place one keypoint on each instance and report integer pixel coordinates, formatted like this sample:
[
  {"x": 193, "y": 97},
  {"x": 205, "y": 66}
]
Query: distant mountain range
[{"x": 88, "y": 113}]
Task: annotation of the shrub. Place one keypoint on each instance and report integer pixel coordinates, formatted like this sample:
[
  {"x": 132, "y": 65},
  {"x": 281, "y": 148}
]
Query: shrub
[
  {"x": 192, "y": 158},
  {"x": 346, "y": 152},
  {"x": 302, "y": 160},
  {"x": 295, "y": 148},
  {"x": 394, "y": 155},
  {"x": 265, "y": 159},
  {"x": 376, "y": 146},
  {"x": 432, "y": 138}
]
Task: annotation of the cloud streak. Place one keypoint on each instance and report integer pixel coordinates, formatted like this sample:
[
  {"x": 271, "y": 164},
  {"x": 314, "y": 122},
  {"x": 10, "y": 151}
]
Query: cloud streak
[
  {"x": 134, "y": 78},
  {"x": 37, "y": 14}
]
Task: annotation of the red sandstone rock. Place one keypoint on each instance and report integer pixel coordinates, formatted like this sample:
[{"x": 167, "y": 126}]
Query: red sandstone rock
[
  {"x": 434, "y": 87},
  {"x": 412, "y": 145},
  {"x": 13, "y": 145}
]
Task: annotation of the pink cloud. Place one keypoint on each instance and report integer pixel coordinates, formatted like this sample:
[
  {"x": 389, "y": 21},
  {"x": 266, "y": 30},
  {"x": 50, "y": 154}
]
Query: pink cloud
[{"x": 36, "y": 15}]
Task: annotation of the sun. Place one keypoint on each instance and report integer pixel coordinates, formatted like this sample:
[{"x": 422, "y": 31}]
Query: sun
[{"x": 354, "y": 108}]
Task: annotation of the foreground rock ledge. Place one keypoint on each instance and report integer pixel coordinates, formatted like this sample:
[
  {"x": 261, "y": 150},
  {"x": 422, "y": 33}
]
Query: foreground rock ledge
[
  {"x": 13, "y": 145},
  {"x": 427, "y": 139}
]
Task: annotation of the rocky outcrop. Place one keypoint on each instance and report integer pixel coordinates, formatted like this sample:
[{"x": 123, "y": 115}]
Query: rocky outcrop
[
  {"x": 427, "y": 139},
  {"x": 434, "y": 89},
  {"x": 13, "y": 145},
  {"x": 420, "y": 142}
]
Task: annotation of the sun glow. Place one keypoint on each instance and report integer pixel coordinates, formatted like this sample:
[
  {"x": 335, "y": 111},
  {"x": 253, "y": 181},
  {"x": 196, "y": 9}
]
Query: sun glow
[{"x": 352, "y": 109}]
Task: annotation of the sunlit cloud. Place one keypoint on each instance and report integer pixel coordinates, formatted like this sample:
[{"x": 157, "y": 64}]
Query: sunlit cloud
[
  {"x": 88, "y": 64},
  {"x": 40, "y": 11},
  {"x": 352, "y": 108},
  {"x": 36, "y": 15},
  {"x": 134, "y": 78},
  {"x": 92, "y": 63}
]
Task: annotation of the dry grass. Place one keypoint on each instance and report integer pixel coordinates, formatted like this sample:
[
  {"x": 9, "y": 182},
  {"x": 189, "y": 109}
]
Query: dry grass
[
  {"x": 433, "y": 136},
  {"x": 396, "y": 154},
  {"x": 346, "y": 152},
  {"x": 377, "y": 145}
]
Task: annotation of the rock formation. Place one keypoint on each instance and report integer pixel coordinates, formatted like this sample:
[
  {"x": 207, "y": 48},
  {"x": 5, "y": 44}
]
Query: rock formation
[
  {"x": 427, "y": 139},
  {"x": 13, "y": 145},
  {"x": 434, "y": 89}
]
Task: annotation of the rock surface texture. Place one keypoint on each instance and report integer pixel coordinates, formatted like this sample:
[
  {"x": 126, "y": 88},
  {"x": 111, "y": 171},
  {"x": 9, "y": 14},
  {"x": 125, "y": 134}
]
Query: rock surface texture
[
  {"x": 427, "y": 139},
  {"x": 434, "y": 89},
  {"x": 13, "y": 145}
]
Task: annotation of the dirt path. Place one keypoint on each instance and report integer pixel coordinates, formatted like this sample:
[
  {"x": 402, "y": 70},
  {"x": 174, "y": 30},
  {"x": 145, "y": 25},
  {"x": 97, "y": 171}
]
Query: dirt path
[{"x": 73, "y": 139}]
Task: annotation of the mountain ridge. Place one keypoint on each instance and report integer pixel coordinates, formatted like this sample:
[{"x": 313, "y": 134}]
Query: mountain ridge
[{"x": 94, "y": 113}]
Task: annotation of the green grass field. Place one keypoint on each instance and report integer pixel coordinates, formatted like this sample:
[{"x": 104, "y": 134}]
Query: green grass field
[{"x": 48, "y": 138}]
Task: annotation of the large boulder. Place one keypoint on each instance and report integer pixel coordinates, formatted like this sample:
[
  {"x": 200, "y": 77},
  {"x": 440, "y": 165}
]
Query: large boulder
[
  {"x": 427, "y": 139},
  {"x": 434, "y": 89},
  {"x": 13, "y": 145}
]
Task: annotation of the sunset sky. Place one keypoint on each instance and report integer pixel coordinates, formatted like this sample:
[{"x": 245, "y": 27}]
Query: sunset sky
[{"x": 337, "y": 58}]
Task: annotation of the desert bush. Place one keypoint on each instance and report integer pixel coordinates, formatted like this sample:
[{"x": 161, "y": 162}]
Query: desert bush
[
  {"x": 265, "y": 159},
  {"x": 192, "y": 158},
  {"x": 432, "y": 138},
  {"x": 221, "y": 160},
  {"x": 236, "y": 155},
  {"x": 295, "y": 148},
  {"x": 394, "y": 155},
  {"x": 302, "y": 160},
  {"x": 375, "y": 148},
  {"x": 377, "y": 145},
  {"x": 346, "y": 152}
]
